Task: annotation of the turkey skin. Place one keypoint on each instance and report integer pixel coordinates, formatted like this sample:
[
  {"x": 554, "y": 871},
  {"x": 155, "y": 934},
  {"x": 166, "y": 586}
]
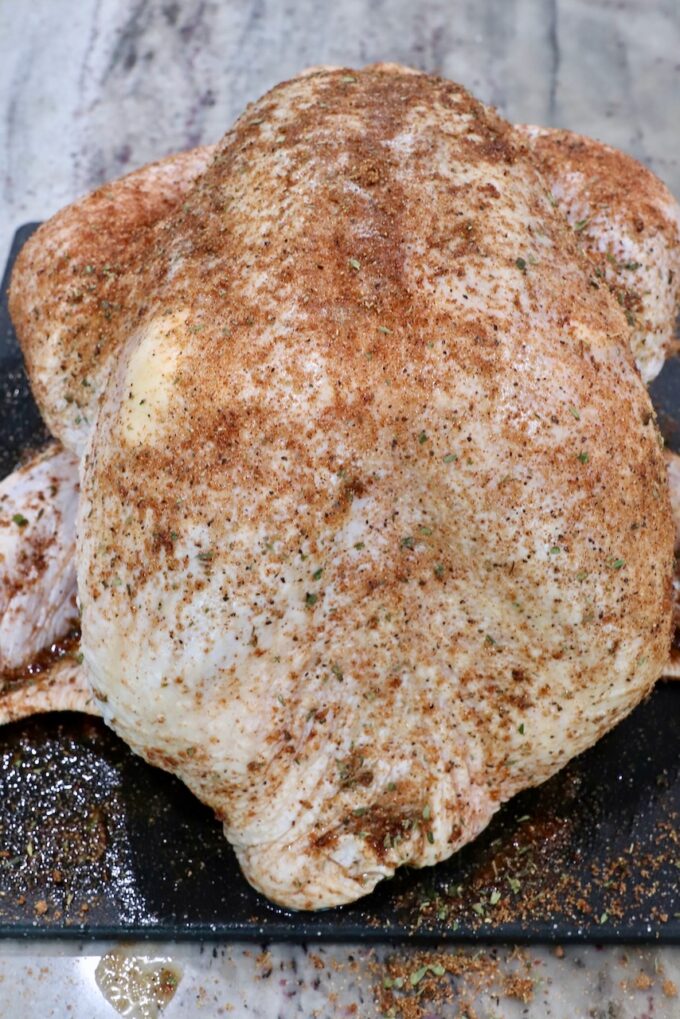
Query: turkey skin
[{"x": 374, "y": 528}]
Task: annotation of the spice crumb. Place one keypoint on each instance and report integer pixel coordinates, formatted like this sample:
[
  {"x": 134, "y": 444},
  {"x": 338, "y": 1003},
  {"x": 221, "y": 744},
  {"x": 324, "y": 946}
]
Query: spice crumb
[{"x": 521, "y": 988}]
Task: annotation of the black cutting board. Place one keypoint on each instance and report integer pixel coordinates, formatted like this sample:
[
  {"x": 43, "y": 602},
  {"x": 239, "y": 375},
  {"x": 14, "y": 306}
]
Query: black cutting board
[{"x": 93, "y": 841}]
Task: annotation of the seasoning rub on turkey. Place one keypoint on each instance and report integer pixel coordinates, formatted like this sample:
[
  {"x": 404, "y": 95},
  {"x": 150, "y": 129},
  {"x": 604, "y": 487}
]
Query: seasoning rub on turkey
[{"x": 374, "y": 529}]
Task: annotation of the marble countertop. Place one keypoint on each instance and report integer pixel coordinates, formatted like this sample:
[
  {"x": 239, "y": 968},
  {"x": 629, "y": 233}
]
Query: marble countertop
[
  {"x": 94, "y": 89},
  {"x": 83, "y": 981}
]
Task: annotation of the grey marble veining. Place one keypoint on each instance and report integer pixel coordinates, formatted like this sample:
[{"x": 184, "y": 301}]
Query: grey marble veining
[
  {"x": 341, "y": 982},
  {"x": 93, "y": 88}
]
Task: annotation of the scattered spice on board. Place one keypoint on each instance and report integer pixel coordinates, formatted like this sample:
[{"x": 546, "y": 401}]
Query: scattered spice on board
[{"x": 415, "y": 985}]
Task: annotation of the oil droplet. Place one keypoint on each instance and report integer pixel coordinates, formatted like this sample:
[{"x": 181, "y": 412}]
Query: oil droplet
[{"x": 137, "y": 986}]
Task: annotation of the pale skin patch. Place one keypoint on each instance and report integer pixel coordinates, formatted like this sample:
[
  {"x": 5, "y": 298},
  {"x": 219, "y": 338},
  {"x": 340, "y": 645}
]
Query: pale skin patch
[{"x": 150, "y": 378}]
